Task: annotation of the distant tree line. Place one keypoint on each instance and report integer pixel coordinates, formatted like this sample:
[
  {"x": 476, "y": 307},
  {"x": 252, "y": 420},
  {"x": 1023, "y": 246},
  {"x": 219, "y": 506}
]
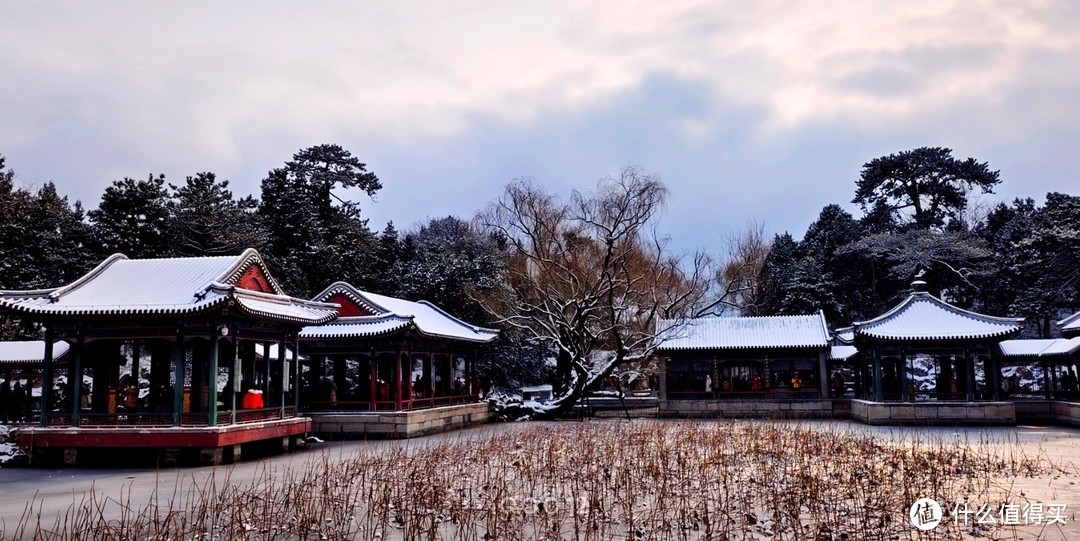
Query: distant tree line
[
  {"x": 309, "y": 235},
  {"x": 1015, "y": 258},
  {"x": 585, "y": 255}
]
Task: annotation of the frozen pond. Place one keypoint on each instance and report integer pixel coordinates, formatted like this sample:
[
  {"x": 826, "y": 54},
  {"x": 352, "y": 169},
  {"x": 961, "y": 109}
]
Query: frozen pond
[{"x": 53, "y": 491}]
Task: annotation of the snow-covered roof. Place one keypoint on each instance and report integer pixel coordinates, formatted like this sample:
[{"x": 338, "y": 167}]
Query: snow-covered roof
[
  {"x": 845, "y": 336},
  {"x": 1040, "y": 348},
  {"x": 1071, "y": 325},
  {"x": 537, "y": 389},
  {"x": 842, "y": 353},
  {"x": 389, "y": 315},
  {"x": 809, "y": 331},
  {"x": 169, "y": 286},
  {"x": 29, "y": 351},
  {"x": 924, "y": 317}
]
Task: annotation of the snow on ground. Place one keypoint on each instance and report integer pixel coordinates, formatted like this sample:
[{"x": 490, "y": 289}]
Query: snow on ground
[
  {"x": 924, "y": 374},
  {"x": 8, "y": 450}
]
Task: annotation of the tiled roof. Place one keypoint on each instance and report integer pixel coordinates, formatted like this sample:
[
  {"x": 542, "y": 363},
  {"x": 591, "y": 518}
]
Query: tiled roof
[
  {"x": 392, "y": 315},
  {"x": 923, "y": 317},
  {"x": 1070, "y": 325},
  {"x": 274, "y": 306},
  {"x": 169, "y": 286},
  {"x": 29, "y": 352},
  {"x": 808, "y": 331},
  {"x": 359, "y": 326},
  {"x": 1063, "y": 346},
  {"x": 845, "y": 336},
  {"x": 842, "y": 353},
  {"x": 1039, "y": 348}
]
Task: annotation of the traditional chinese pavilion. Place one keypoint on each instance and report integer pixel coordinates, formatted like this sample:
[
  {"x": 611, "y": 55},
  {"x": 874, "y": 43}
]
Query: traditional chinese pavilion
[
  {"x": 390, "y": 367},
  {"x": 20, "y": 371},
  {"x": 925, "y": 334},
  {"x": 1042, "y": 368},
  {"x": 927, "y": 361},
  {"x": 163, "y": 355},
  {"x": 1070, "y": 326},
  {"x": 746, "y": 366}
]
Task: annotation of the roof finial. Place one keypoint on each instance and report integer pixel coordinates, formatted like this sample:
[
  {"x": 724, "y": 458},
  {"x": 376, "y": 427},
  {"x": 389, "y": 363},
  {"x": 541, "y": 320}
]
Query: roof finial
[{"x": 919, "y": 285}]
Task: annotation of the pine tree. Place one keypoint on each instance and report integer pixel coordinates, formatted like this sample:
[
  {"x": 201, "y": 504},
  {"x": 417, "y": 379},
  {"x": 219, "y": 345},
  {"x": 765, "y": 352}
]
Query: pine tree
[
  {"x": 794, "y": 283},
  {"x": 314, "y": 236},
  {"x": 926, "y": 183},
  {"x": 1049, "y": 273},
  {"x": 776, "y": 275},
  {"x": 445, "y": 262},
  {"x": 133, "y": 219},
  {"x": 1007, "y": 230},
  {"x": 383, "y": 277},
  {"x": 16, "y": 267},
  {"x": 60, "y": 241},
  {"x": 43, "y": 243},
  {"x": 206, "y": 220}
]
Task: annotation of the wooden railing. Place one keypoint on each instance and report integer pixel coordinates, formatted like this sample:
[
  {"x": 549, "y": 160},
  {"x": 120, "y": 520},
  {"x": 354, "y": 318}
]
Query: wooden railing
[
  {"x": 767, "y": 394},
  {"x": 125, "y": 419},
  {"x": 388, "y": 405},
  {"x": 153, "y": 420},
  {"x": 255, "y": 415}
]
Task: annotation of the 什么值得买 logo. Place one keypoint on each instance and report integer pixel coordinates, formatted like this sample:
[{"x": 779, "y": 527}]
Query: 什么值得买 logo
[{"x": 925, "y": 514}]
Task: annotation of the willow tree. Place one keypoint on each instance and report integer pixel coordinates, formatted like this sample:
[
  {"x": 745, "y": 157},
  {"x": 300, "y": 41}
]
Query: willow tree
[{"x": 588, "y": 277}]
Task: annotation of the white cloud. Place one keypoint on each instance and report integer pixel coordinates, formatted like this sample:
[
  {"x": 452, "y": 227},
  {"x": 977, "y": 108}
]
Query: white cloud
[
  {"x": 407, "y": 68},
  {"x": 100, "y": 90}
]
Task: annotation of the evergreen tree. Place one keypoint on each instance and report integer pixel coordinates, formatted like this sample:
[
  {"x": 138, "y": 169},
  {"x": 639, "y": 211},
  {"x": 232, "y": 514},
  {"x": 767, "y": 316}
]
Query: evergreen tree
[
  {"x": 314, "y": 236},
  {"x": 206, "y": 220},
  {"x": 15, "y": 226},
  {"x": 807, "y": 290},
  {"x": 849, "y": 273},
  {"x": 794, "y": 283},
  {"x": 1007, "y": 231},
  {"x": 926, "y": 183},
  {"x": 952, "y": 261},
  {"x": 60, "y": 241},
  {"x": 383, "y": 277},
  {"x": 445, "y": 262},
  {"x": 42, "y": 243},
  {"x": 776, "y": 275},
  {"x": 133, "y": 219},
  {"x": 1051, "y": 268}
]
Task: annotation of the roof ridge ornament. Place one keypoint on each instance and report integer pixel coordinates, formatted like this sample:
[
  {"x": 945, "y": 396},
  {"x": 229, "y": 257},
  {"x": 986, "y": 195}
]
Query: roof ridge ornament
[{"x": 918, "y": 285}]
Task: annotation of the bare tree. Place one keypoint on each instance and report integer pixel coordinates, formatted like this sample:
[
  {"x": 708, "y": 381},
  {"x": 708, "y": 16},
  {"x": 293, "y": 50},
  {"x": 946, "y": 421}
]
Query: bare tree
[
  {"x": 739, "y": 277},
  {"x": 589, "y": 277}
]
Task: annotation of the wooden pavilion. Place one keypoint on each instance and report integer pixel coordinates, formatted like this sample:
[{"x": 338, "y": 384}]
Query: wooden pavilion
[
  {"x": 392, "y": 356},
  {"x": 927, "y": 361},
  {"x": 1040, "y": 368},
  {"x": 926, "y": 335},
  {"x": 1070, "y": 326},
  {"x": 746, "y": 366},
  {"x": 20, "y": 371},
  {"x": 166, "y": 349}
]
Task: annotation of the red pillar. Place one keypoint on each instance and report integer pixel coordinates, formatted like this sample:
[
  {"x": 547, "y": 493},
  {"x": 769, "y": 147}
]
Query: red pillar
[
  {"x": 373, "y": 375},
  {"x": 397, "y": 380}
]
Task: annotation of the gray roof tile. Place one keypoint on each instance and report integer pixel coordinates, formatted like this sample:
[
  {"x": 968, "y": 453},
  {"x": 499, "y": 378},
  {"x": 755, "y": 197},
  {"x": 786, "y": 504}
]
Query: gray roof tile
[
  {"x": 391, "y": 315},
  {"x": 923, "y": 317},
  {"x": 168, "y": 286},
  {"x": 808, "y": 331}
]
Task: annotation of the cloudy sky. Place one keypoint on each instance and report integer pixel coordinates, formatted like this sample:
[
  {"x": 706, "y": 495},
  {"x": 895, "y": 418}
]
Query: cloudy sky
[{"x": 760, "y": 110}]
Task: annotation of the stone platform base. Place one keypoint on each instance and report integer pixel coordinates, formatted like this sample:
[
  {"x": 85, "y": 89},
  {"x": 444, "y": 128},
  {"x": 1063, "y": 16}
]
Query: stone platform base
[
  {"x": 933, "y": 413},
  {"x": 397, "y": 424},
  {"x": 1048, "y": 412},
  {"x": 774, "y": 409},
  {"x": 166, "y": 446}
]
